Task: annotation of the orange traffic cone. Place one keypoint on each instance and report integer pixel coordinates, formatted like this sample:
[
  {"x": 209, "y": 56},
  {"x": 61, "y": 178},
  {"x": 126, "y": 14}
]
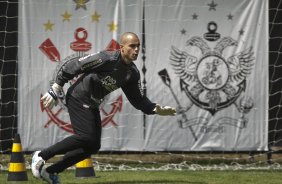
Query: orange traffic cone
[
  {"x": 85, "y": 168},
  {"x": 17, "y": 170}
]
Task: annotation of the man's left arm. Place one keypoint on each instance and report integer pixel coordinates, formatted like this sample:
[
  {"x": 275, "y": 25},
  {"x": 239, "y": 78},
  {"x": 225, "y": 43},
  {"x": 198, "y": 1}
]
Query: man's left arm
[{"x": 140, "y": 102}]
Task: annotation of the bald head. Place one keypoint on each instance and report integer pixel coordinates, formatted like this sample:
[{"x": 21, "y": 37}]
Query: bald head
[
  {"x": 129, "y": 47},
  {"x": 127, "y": 37}
]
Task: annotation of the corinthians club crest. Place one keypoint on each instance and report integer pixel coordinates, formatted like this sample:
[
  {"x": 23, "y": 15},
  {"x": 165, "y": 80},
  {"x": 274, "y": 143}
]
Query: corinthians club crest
[
  {"x": 210, "y": 80},
  {"x": 80, "y": 46}
]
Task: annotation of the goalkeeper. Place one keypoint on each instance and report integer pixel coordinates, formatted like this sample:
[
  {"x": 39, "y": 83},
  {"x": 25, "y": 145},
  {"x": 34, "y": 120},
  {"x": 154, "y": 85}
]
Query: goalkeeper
[{"x": 102, "y": 73}]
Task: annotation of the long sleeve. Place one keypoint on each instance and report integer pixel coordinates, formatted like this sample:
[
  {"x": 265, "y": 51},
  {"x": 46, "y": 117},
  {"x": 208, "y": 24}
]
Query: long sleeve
[
  {"x": 135, "y": 97},
  {"x": 76, "y": 66}
]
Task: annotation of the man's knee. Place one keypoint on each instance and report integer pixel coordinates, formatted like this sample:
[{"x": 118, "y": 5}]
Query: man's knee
[
  {"x": 91, "y": 144},
  {"x": 95, "y": 146}
]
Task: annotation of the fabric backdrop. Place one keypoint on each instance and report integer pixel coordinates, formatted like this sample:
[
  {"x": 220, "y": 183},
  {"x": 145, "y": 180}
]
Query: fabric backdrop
[{"x": 207, "y": 58}]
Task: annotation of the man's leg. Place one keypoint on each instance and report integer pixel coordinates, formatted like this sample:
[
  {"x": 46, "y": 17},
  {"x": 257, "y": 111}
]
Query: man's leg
[
  {"x": 86, "y": 124},
  {"x": 70, "y": 159},
  {"x": 68, "y": 144}
]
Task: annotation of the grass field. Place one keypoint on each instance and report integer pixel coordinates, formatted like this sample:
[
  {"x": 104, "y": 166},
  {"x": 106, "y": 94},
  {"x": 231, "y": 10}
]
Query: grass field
[
  {"x": 262, "y": 173},
  {"x": 169, "y": 177}
]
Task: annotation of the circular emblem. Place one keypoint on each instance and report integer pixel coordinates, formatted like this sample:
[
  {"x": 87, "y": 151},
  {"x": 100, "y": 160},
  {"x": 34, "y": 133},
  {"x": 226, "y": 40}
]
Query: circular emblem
[
  {"x": 212, "y": 72},
  {"x": 211, "y": 81}
]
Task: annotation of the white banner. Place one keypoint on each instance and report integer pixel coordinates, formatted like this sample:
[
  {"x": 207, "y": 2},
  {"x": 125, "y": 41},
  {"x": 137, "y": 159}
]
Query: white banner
[
  {"x": 208, "y": 59},
  {"x": 52, "y": 30},
  {"x": 213, "y": 59}
]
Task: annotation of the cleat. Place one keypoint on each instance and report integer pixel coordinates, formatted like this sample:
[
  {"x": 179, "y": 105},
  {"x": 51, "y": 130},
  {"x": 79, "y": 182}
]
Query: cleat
[
  {"x": 50, "y": 178},
  {"x": 37, "y": 164}
]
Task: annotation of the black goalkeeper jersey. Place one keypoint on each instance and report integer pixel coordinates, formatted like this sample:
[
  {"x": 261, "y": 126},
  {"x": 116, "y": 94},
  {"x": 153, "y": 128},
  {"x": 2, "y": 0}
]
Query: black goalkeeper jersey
[{"x": 101, "y": 74}]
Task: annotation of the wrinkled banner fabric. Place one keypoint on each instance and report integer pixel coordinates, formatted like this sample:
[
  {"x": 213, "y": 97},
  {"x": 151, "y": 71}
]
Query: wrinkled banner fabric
[{"x": 207, "y": 58}]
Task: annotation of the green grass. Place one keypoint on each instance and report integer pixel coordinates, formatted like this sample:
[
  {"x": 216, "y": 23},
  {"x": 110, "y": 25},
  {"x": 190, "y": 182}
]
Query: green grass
[
  {"x": 266, "y": 176},
  {"x": 168, "y": 177}
]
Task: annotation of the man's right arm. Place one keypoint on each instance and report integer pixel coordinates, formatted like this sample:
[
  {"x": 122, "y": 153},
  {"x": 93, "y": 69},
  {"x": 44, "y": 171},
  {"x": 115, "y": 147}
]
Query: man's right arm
[
  {"x": 78, "y": 66},
  {"x": 68, "y": 72}
]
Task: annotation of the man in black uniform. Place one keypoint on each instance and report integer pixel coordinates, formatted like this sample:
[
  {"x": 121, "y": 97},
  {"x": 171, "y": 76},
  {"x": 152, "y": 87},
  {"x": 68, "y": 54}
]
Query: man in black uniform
[{"x": 101, "y": 74}]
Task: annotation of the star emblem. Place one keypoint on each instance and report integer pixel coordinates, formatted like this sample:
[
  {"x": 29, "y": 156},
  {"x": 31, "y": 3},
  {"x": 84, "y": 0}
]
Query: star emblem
[
  {"x": 112, "y": 26},
  {"x": 212, "y": 6},
  {"x": 241, "y": 32},
  {"x": 183, "y": 32},
  {"x": 48, "y": 26},
  {"x": 80, "y": 4},
  {"x": 66, "y": 16},
  {"x": 195, "y": 16},
  {"x": 230, "y": 16},
  {"x": 95, "y": 17}
]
